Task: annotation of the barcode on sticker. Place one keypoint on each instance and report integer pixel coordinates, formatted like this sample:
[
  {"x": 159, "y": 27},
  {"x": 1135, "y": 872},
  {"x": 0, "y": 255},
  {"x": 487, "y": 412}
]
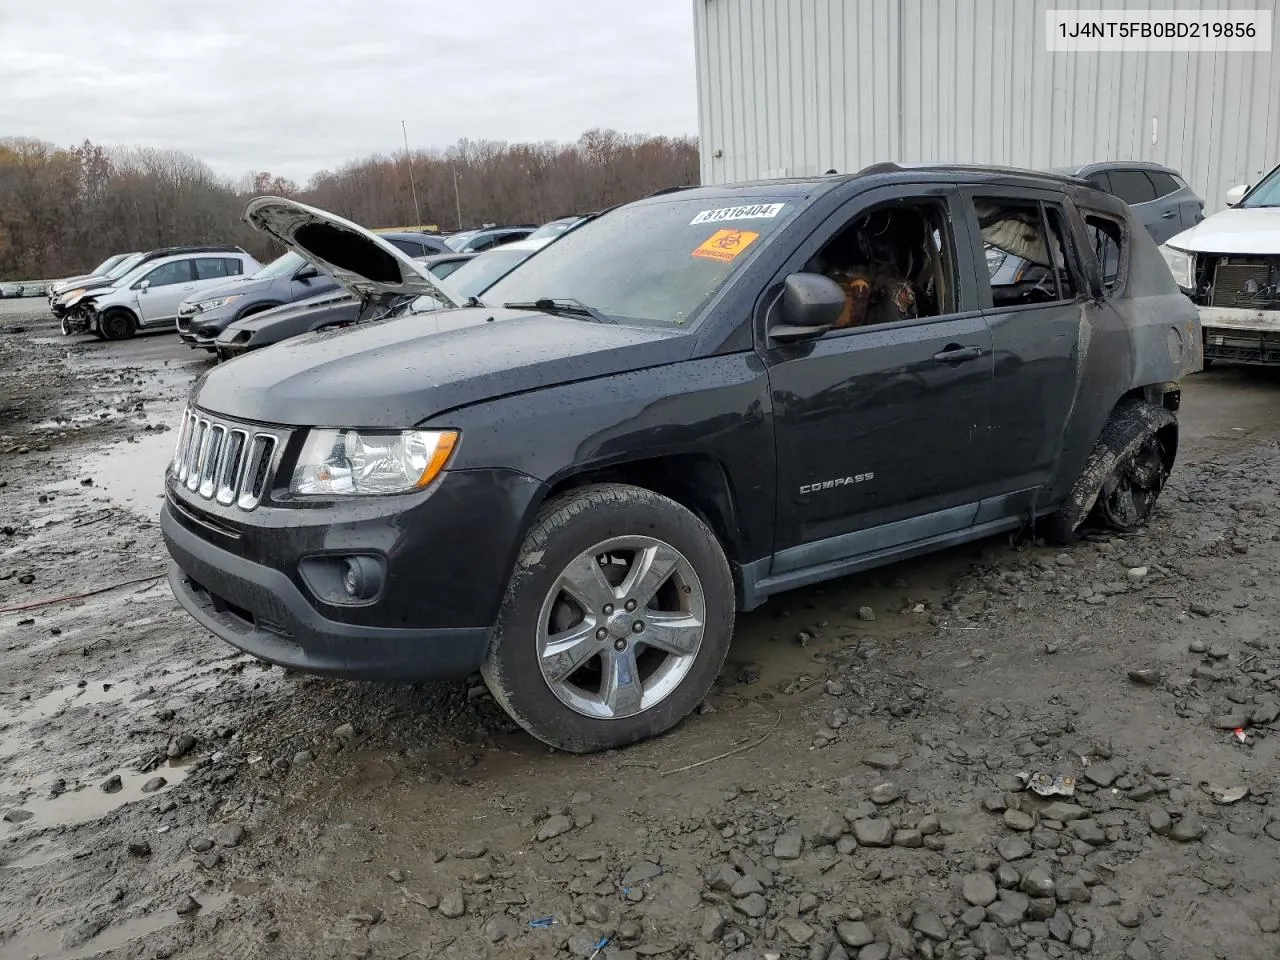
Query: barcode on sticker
[{"x": 754, "y": 211}]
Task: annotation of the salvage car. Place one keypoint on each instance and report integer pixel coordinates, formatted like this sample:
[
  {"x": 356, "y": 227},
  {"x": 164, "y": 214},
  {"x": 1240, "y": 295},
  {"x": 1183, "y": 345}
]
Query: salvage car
[
  {"x": 1159, "y": 195},
  {"x": 147, "y": 297},
  {"x": 474, "y": 241},
  {"x": 1229, "y": 264},
  {"x": 333, "y": 309},
  {"x": 687, "y": 405},
  {"x": 287, "y": 279},
  {"x": 66, "y": 283},
  {"x": 66, "y": 303}
]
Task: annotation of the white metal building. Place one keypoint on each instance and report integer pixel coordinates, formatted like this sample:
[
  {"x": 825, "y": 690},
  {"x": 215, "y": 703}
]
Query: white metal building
[{"x": 797, "y": 87}]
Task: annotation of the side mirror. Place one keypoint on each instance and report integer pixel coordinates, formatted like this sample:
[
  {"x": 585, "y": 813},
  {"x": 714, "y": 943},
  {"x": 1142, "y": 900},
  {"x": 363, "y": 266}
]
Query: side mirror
[
  {"x": 1236, "y": 194},
  {"x": 809, "y": 306},
  {"x": 306, "y": 272},
  {"x": 144, "y": 285}
]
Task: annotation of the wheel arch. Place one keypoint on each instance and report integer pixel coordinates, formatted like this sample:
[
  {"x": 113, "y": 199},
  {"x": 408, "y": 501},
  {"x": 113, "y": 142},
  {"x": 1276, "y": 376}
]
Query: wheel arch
[
  {"x": 129, "y": 312},
  {"x": 260, "y": 306},
  {"x": 697, "y": 481}
]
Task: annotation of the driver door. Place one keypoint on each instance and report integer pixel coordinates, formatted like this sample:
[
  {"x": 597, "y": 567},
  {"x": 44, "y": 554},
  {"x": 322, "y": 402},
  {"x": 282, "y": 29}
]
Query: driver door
[
  {"x": 167, "y": 286},
  {"x": 880, "y": 428}
]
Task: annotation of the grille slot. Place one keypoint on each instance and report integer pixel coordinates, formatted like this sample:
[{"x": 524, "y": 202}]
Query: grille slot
[
  {"x": 223, "y": 462},
  {"x": 1231, "y": 280}
]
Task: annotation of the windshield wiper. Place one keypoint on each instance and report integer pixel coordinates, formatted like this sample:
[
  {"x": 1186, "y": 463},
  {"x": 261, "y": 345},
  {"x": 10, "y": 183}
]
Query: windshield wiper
[{"x": 560, "y": 306}]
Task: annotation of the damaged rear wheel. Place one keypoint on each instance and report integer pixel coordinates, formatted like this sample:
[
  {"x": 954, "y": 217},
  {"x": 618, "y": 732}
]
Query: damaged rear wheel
[{"x": 1124, "y": 475}]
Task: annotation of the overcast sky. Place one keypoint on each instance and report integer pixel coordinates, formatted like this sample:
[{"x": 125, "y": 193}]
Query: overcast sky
[{"x": 295, "y": 87}]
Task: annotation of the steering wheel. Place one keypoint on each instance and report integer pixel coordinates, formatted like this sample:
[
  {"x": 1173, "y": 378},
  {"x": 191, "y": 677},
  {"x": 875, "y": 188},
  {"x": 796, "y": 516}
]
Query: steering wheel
[{"x": 1044, "y": 291}]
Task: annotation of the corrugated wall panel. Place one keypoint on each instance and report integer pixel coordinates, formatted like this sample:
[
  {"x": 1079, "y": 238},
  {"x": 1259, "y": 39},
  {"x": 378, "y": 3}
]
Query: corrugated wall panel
[{"x": 796, "y": 87}]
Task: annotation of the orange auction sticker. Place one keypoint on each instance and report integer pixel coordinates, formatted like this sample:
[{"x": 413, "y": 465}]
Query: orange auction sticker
[{"x": 724, "y": 245}]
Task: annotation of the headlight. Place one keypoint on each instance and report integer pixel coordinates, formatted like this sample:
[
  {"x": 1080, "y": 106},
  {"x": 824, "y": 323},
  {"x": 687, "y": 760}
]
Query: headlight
[
  {"x": 364, "y": 463},
  {"x": 1181, "y": 265},
  {"x": 218, "y": 302},
  {"x": 71, "y": 293}
]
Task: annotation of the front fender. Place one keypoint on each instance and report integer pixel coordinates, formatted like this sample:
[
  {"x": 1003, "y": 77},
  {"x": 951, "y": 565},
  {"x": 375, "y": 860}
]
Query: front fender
[{"x": 712, "y": 407}]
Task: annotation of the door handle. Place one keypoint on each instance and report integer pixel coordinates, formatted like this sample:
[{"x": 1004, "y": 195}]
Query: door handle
[
  {"x": 954, "y": 353},
  {"x": 1168, "y": 214}
]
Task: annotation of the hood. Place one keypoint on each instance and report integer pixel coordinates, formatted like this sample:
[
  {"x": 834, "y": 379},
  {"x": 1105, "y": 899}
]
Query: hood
[
  {"x": 398, "y": 373},
  {"x": 258, "y": 321},
  {"x": 1242, "y": 230},
  {"x": 89, "y": 283},
  {"x": 67, "y": 283},
  {"x": 360, "y": 260},
  {"x": 240, "y": 285}
]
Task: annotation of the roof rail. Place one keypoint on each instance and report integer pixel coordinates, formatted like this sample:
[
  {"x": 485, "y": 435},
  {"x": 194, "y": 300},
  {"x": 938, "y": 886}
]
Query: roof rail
[{"x": 658, "y": 193}]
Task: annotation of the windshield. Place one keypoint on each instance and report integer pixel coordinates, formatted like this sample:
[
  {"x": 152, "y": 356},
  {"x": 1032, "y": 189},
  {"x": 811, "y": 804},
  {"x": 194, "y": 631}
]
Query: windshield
[
  {"x": 651, "y": 262},
  {"x": 471, "y": 278},
  {"x": 104, "y": 266},
  {"x": 476, "y": 276},
  {"x": 124, "y": 266},
  {"x": 552, "y": 229},
  {"x": 459, "y": 240},
  {"x": 283, "y": 266},
  {"x": 1265, "y": 194}
]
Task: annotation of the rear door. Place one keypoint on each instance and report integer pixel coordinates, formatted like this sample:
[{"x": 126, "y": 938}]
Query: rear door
[
  {"x": 877, "y": 425},
  {"x": 1035, "y": 315},
  {"x": 1174, "y": 194},
  {"x": 167, "y": 286}
]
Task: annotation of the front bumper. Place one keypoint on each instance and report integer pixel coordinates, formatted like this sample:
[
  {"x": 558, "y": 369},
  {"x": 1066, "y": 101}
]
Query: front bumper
[
  {"x": 183, "y": 326},
  {"x": 448, "y": 554},
  {"x": 1238, "y": 335}
]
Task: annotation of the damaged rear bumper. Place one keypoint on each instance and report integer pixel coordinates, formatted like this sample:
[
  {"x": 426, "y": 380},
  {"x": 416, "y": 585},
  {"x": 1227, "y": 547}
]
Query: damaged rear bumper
[{"x": 1241, "y": 335}]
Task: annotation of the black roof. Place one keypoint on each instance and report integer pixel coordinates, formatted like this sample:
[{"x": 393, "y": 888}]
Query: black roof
[
  {"x": 159, "y": 252},
  {"x": 1102, "y": 166},
  {"x": 816, "y": 185}
]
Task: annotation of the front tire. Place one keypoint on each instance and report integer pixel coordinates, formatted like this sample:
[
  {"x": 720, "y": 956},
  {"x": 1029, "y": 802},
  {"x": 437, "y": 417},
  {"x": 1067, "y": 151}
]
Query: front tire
[
  {"x": 616, "y": 621},
  {"x": 117, "y": 324},
  {"x": 1124, "y": 475}
]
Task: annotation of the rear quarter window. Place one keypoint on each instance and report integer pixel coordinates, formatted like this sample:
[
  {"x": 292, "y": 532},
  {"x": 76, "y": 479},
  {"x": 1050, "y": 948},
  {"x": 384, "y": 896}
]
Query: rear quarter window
[
  {"x": 1108, "y": 244},
  {"x": 1163, "y": 183}
]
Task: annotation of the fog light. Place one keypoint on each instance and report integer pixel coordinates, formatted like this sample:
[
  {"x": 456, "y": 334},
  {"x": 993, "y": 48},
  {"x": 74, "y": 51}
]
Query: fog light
[{"x": 362, "y": 577}]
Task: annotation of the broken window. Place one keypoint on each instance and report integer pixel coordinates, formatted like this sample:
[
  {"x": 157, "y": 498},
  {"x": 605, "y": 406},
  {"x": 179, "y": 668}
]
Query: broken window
[
  {"x": 894, "y": 262},
  {"x": 1106, "y": 240},
  {"x": 1025, "y": 254}
]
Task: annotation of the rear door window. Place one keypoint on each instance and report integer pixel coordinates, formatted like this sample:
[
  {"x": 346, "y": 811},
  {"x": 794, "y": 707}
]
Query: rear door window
[
  {"x": 1132, "y": 186},
  {"x": 213, "y": 268},
  {"x": 1025, "y": 244}
]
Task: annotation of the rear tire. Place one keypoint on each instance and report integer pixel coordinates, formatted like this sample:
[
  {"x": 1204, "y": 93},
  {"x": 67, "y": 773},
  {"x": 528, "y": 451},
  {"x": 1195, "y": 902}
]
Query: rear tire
[
  {"x": 616, "y": 621},
  {"x": 1123, "y": 477},
  {"x": 117, "y": 324}
]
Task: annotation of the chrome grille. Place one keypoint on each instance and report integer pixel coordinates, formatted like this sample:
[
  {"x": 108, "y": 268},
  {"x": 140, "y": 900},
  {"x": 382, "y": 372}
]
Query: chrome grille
[{"x": 222, "y": 462}]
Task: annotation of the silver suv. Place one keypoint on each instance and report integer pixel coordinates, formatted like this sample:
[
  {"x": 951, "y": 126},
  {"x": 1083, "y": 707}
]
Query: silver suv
[{"x": 148, "y": 295}]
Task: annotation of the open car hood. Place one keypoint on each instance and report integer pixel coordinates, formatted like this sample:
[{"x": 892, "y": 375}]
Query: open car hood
[{"x": 360, "y": 260}]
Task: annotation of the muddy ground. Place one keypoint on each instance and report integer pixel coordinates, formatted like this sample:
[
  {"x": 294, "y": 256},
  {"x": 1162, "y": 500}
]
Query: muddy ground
[{"x": 849, "y": 790}]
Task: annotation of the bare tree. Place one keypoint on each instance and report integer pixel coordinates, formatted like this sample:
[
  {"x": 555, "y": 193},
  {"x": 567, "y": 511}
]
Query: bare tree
[{"x": 64, "y": 210}]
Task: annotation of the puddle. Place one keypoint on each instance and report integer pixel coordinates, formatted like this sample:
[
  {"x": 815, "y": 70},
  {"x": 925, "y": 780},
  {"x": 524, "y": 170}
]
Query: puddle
[
  {"x": 47, "y": 945},
  {"x": 73, "y": 694},
  {"x": 131, "y": 474},
  {"x": 42, "y": 854},
  {"x": 89, "y": 802}
]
